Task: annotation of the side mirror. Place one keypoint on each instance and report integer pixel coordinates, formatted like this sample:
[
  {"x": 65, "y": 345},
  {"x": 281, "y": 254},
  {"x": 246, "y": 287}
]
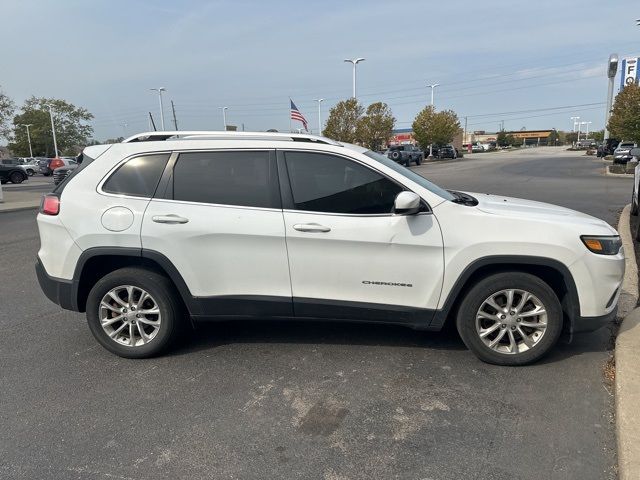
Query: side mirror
[
  {"x": 406, "y": 203},
  {"x": 634, "y": 152}
]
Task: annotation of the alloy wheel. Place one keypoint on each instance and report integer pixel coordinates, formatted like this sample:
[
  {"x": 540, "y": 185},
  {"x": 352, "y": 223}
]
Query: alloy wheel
[
  {"x": 129, "y": 315},
  {"x": 511, "y": 321}
]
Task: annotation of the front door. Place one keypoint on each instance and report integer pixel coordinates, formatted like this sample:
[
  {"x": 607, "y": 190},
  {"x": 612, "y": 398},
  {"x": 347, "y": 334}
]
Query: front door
[{"x": 349, "y": 255}]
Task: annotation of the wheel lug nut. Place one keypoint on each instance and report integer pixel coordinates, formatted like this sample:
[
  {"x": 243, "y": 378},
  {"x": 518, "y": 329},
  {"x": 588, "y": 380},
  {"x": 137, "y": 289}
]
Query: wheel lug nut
[
  {"x": 513, "y": 328},
  {"x": 503, "y": 317},
  {"x": 518, "y": 320},
  {"x": 512, "y": 312},
  {"x": 504, "y": 325}
]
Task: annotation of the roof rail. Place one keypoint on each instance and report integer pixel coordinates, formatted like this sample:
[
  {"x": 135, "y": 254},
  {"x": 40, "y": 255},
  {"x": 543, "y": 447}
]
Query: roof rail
[{"x": 222, "y": 135}]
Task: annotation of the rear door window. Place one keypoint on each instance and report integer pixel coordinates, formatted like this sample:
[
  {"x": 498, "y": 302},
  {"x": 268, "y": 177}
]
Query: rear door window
[{"x": 239, "y": 178}]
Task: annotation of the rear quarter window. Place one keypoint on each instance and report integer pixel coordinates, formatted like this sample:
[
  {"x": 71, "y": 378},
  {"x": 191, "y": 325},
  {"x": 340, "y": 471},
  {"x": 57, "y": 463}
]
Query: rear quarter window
[{"x": 138, "y": 176}]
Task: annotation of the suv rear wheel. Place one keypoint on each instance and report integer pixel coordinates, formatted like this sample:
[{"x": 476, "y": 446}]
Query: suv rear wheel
[
  {"x": 510, "y": 319},
  {"x": 134, "y": 312}
]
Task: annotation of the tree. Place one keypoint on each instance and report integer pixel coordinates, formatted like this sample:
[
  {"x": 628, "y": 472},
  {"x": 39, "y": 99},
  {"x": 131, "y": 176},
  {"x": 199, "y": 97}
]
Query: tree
[
  {"x": 438, "y": 128},
  {"x": 7, "y": 107},
  {"x": 598, "y": 135},
  {"x": 342, "y": 124},
  {"x": 501, "y": 138},
  {"x": 624, "y": 122},
  {"x": 374, "y": 129},
  {"x": 553, "y": 138},
  {"x": 571, "y": 137},
  {"x": 72, "y": 131}
]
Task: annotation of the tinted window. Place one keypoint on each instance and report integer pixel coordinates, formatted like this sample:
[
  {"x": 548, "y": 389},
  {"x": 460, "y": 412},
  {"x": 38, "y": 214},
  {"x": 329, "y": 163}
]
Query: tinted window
[
  {"x": 246, "y": 179},
  {"x": 326, "y": 183},
  {"x": 138, "y": 177}
]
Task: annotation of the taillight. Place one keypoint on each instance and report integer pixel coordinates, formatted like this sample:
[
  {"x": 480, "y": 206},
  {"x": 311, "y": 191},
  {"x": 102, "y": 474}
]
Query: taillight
[
  {"x": 50, "y": 205},
  {"x": 56, "y": 163}
]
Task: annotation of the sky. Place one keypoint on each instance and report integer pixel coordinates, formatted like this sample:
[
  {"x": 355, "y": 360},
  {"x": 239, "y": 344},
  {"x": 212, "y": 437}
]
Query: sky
[{"x": 528, "y": 64}]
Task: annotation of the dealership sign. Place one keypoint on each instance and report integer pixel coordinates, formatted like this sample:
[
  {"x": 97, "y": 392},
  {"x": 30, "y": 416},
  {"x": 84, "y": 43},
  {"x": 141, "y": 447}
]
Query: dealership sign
[{"x": 629, "y": 71}]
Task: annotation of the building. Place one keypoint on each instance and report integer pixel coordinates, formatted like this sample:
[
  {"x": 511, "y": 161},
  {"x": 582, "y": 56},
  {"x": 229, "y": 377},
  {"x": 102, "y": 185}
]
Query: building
[
  {"x": 522, "y": 137},
  {"x": 403, "y": 136}
]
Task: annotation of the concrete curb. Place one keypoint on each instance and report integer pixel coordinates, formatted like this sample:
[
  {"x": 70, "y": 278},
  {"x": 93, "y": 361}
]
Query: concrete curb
[
  {"x": 627, "y": 358},
  {"x": 17, "y": 209},
  {"x": 619, "y": 175}
]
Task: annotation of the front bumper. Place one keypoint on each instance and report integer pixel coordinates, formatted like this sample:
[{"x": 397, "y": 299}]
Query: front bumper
[
  {"x": 61, "y": 292},
  {"x": 591, "y": 324}
]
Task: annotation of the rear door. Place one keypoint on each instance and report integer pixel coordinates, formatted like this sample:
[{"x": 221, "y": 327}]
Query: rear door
[{"x": 217, "y": 218}]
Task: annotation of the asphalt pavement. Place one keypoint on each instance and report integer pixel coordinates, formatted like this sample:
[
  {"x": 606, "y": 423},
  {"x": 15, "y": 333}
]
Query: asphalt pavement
[{"x": 299, "y": 400}]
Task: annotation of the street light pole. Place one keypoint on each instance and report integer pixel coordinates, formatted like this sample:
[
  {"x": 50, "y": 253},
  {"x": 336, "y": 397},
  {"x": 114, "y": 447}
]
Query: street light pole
[
  {"x": 160, "y": 90},
  {"x": 433, "y": 87},
  {"x": 224, "y": 116},
  {"x": 27, "y": 125},
  {"x": 53, "y": 130},
  {"x": 611, "y": 73},
  {"x": 355, "y": 62},
  {"x": 319, "y": 100},
  {"x": 587, "y": 132}
]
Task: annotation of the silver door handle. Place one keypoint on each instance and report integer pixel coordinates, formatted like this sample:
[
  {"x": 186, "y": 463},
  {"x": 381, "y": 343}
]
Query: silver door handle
[
  {"x": 311, "y": 227},
  {"x": 170, "y": 219}
]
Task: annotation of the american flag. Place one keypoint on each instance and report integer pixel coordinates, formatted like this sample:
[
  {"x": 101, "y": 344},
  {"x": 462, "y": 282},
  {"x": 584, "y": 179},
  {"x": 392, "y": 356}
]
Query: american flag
[{"x": 296, "y": 115}]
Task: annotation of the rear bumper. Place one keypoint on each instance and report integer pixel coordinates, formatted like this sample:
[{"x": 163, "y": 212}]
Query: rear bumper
[
  {"x": 591, "y": 324},
  {"x": 60, "y": 292}
]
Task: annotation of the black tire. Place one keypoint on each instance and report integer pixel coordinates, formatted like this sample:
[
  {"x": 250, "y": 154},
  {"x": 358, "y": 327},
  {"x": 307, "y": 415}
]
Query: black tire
[
  {"x": 3, "y": 181},
  {"x": 486, "y": 287},
  {"x": 419, "y": 160},
  {"x": 396, "y": 156},
  {"x": 47, "y": 174},
  {"x": 17, "y": 177},
  {"x": 407, "y": 161},
  {"x": 634, "y": 204},
  {"x": 163, "y": 292}
]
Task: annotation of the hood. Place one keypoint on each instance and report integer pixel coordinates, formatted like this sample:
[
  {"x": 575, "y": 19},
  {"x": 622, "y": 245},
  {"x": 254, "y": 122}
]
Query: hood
[{"x": 518, "y": 207}]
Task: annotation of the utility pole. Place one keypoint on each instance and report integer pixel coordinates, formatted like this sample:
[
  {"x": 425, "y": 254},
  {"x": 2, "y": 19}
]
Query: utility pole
[
  {"x": 464, "y": 135},
  {"x": 27, "y": 125},
  {"x": 611, "y": 73},
  {"x": 319, "y": 100},
  {"x": 53, "y": 130},
  {"x": 152, "y": 124},
  {"x": 160, "y": 90},
  {"x": 355, "y": 62},
  {"x": 175, "y": 121}
]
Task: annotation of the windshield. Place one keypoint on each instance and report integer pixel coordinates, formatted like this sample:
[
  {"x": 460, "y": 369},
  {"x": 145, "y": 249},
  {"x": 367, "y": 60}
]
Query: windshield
[{"x": 410, "y": 174}]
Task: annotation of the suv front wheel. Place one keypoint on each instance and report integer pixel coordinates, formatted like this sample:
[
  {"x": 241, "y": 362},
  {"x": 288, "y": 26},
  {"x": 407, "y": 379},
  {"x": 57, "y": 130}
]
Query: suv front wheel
[
  {"x": 134, "y": 312},
  {"x": 510, "y": 319}
]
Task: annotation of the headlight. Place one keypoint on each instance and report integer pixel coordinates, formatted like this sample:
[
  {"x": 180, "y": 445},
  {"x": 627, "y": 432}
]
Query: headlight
[{"x": 609, "y": 245}]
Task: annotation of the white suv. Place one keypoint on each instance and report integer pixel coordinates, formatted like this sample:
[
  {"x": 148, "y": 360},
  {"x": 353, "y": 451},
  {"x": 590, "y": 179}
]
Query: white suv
[{"x": 149, "y": 233}]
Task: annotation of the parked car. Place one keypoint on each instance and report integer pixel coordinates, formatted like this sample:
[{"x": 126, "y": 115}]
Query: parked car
[
  {"x": 12, "y": 173},
  {"x": 405, "y": 154},
  {"x": 447, "y": 151},
  {"x": 26, "y": 168},
  {"x": 48, "y": 165},
  {"x": 621, "y": 153},
  {"x": 155, "y": 230},
  {"x": 608, "y": 147},
  {"x": 477, "y": 148},
  {"x": 60, "y": 173}
]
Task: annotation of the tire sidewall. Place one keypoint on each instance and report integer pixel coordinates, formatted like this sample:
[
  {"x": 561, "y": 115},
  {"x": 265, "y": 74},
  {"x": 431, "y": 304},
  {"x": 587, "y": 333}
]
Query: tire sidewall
[
  {"x": 474, "y": 298},
  {"x": 158, "y": 287}
]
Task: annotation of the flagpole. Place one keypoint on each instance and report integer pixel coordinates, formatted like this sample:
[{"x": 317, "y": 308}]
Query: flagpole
[{"x": 290, "y": 124}]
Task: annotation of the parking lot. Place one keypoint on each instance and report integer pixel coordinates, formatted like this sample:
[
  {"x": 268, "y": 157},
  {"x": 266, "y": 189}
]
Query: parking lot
[{"x": 297, "y": 400}]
